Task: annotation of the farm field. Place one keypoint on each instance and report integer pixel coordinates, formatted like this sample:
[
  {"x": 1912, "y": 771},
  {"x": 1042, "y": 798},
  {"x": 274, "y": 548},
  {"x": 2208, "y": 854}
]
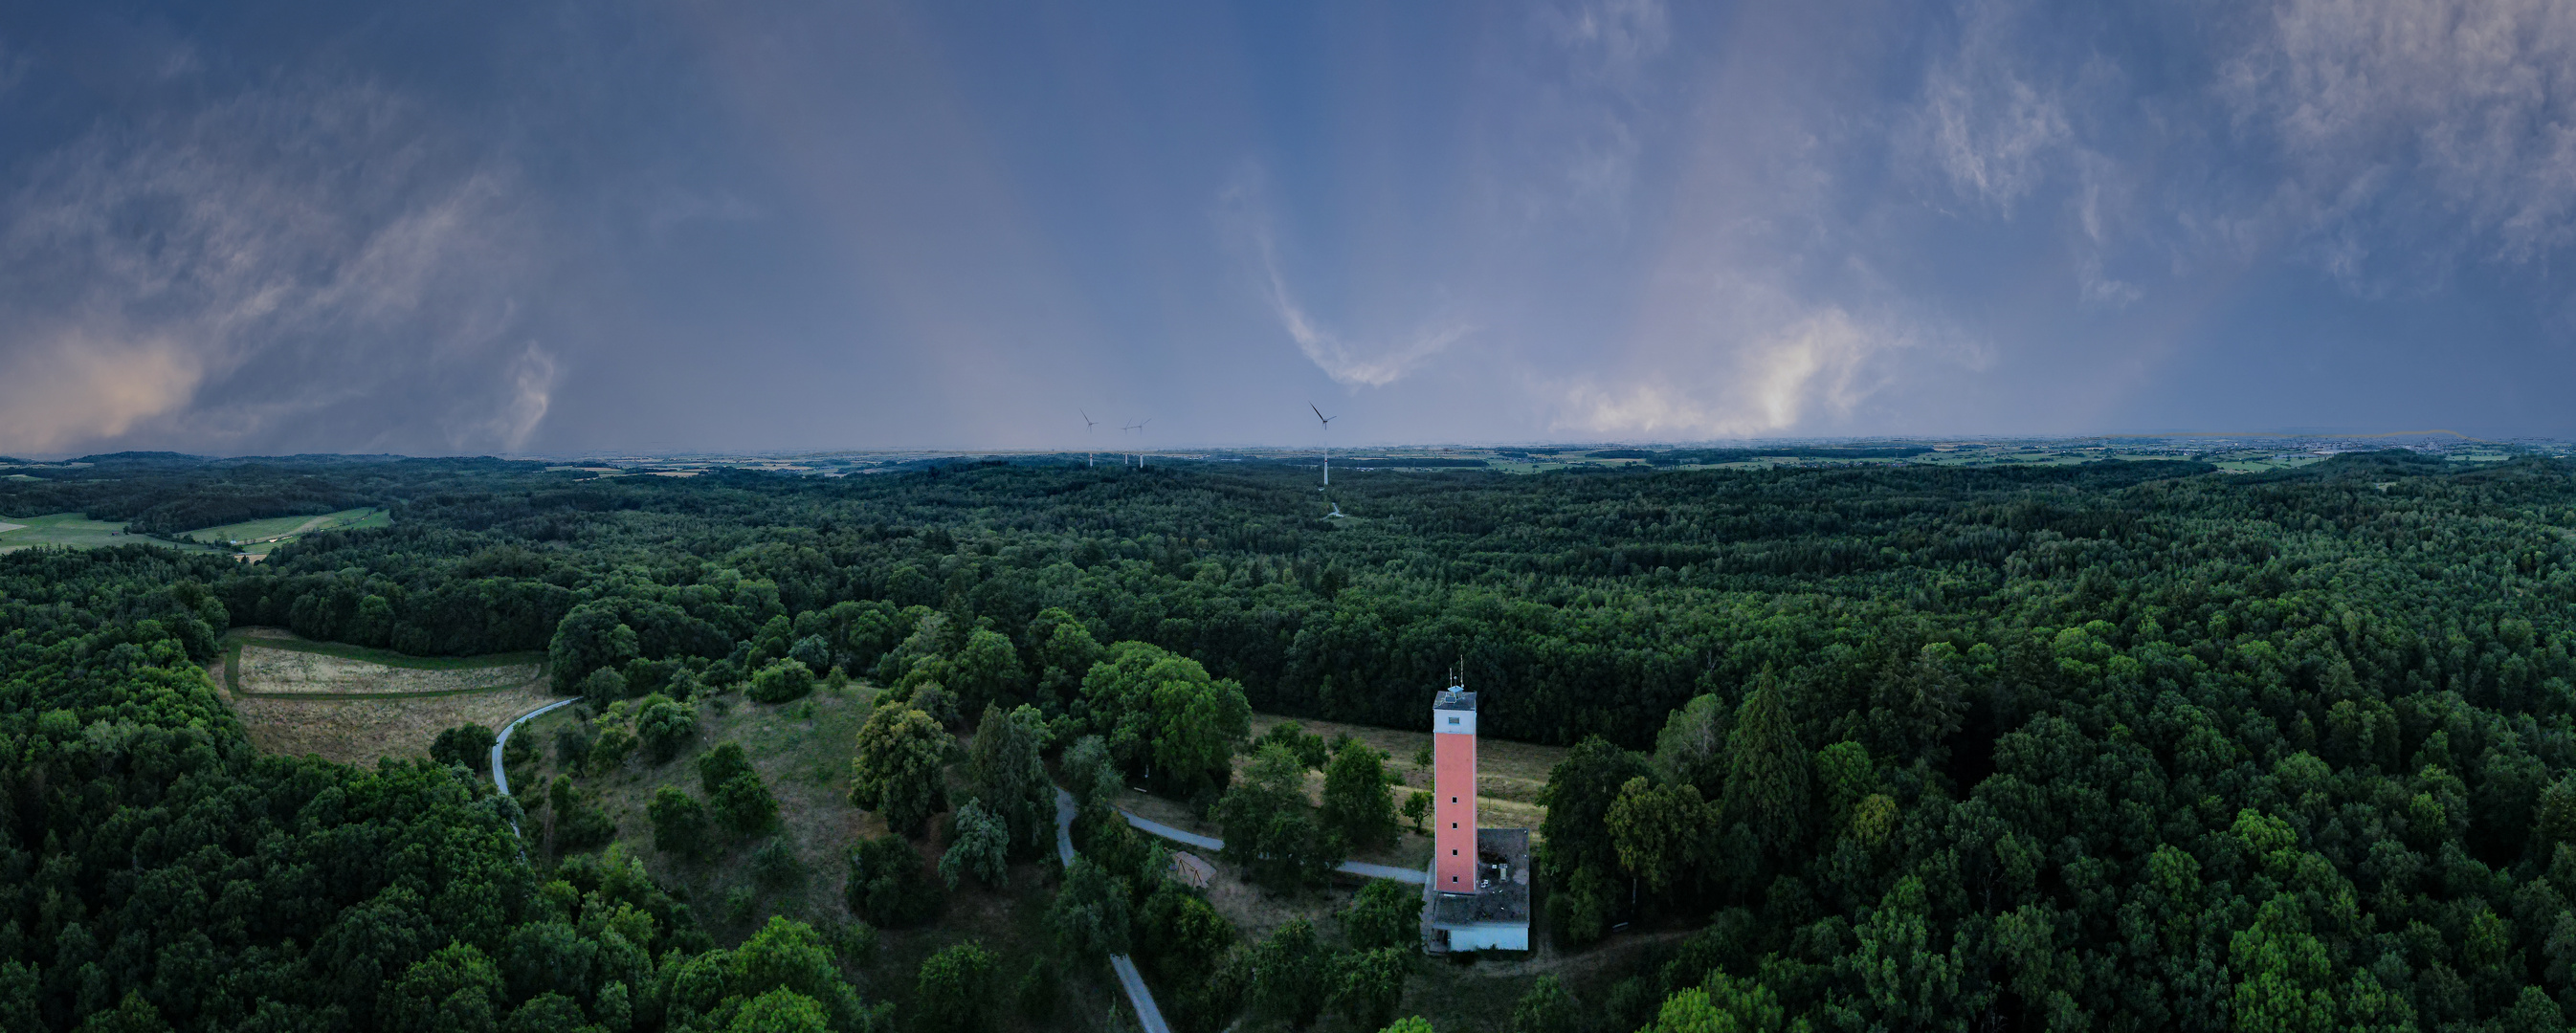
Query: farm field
[
  {"x": 260, "y": 537},
  {"x": 71, "y": 529}
]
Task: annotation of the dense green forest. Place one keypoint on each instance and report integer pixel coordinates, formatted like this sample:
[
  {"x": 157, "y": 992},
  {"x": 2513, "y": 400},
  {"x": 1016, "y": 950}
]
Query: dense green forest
[{"x": 2120, "y": 745}]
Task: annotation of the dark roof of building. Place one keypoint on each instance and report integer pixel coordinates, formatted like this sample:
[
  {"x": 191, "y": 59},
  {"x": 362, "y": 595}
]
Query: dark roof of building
[
  {"x": 1506, "y": 899},
  {"x": 1454, "y": 699}
]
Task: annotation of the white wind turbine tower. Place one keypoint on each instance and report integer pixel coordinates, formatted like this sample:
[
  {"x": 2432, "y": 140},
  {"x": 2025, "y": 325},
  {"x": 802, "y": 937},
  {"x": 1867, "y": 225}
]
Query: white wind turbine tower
[
  {"x": 1087, "y": 424},
  {"x": 1327, "y": 422},
  {"x": 1139, "y": 428}
]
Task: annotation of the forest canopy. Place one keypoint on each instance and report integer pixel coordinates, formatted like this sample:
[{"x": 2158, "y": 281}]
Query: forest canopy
[{"x": 2118, "y": 745}]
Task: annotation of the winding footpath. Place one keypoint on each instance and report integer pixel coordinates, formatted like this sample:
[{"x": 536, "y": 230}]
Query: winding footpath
[
  {"x": 1147, "y": 1015},
  {"x": 1359, "y": 868},
  {"x": 500, "y": 778}
]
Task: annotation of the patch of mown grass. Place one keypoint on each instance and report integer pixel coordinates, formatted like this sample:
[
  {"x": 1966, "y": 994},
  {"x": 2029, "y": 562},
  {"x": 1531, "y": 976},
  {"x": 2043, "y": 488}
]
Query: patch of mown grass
[
  {"x": 271, "y": 638},
  {"x": 258, "y": 537},
  {"x": 76, "y": 531}
]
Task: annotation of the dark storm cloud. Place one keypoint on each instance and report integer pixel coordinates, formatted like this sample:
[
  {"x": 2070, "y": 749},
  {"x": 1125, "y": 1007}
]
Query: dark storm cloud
[{"x": 682, "y": 226}]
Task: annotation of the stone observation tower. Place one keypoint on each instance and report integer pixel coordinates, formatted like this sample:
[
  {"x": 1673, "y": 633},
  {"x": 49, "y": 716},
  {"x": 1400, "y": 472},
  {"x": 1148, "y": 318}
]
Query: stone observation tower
[{"x": 1478, "y": 897}]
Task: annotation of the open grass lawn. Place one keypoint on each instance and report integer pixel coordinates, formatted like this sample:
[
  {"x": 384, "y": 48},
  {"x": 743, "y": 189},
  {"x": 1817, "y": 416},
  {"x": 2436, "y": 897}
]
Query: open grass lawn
[
  {"x": 74, "y": 530},
  {"x": 259, "y": 537},
  {"x": 802, "y": 749}
]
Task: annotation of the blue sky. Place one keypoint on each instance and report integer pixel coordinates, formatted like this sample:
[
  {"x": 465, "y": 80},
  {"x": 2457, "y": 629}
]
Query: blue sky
[{"x": 542, "y": 228}]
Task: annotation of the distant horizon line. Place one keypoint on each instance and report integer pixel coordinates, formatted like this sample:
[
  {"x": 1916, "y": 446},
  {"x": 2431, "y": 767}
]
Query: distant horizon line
[{"x": 922, "y": 450}]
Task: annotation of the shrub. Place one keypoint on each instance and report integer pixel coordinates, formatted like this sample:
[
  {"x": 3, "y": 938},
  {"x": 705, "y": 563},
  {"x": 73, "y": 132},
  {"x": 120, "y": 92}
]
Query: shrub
[
  {"x": 1291, "y": 976},
  {"x": 900, "y": 769},
  {"x": 572, "y": 746},
  {"x": 579, "y": 823},
  {"x": 743, "y": 805},
  {"x": 719, "y": 765},
  {"x": 470, "y": 745},
  {"x": 603, "y": 687},
  {"x": 1090, "y": 915},
  {"x": 780, "y": 682},
  {"x": 1546, "y": 1008},
  {"x": 1367, "y": 985},
  {"x": 888, "y": 885},
  {"x": 1356, "y": 806},
  {"x": 811, "y": 651},
  {"x": 520, "y": 751},
  {"x": 980, "y": 847},
  {"x": 1037, "y": 992},
  {"x": 679, "y": 823},
  {"x": 1307, "y": 746},
  {"x": 775, "y": 864},
  {"x": 664, "y": 728},
  {"x": 614, "y": 745},
  {"x": 1385, "y": 914},
  {"x": 1087, "y": 768},
  {"x": 952, "y": 987}
]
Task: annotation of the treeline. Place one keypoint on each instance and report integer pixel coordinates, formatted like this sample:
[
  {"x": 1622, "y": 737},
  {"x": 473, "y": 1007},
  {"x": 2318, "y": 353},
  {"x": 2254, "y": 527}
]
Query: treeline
[
  {"x": 158, "y": 873},
  {"x": 164, "y": 493}
]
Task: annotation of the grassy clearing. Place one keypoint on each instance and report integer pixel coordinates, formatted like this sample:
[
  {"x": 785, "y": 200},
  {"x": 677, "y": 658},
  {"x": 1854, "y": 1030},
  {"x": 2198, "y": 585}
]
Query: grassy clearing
[
  {"x": 252, "y": 668},
  {"x": 803, "y": 750},
  {"x": 315, "y": 700},
  {"x": 74, "y": 530},
  {"x": 260, "y": 537},
  {"x": 279, "y": 638},
  {"x": 2264, "y": 464},
  {"x": 363, "y": 730},
  {"x": 1509, "y": 775}
]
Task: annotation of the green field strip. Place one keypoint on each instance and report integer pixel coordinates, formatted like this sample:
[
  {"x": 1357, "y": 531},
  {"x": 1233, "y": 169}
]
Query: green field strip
[
  {"x": 388, "y": 657},
  {"x": 343, "y": 696},
  {"x": 279, "y": 530}
]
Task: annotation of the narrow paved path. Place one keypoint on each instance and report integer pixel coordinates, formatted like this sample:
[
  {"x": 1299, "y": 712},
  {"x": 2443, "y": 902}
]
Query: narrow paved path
[
  {"x": 1147, "y": 1015},
  {"x": 500, "y": 778},
  {"x": 1359, "y": 868}
]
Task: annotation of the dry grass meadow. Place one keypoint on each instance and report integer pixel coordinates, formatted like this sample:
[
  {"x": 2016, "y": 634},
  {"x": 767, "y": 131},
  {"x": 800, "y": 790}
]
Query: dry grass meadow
[
  {"x": 265, "y": 670},
  {"x": 298, "y": 698}
]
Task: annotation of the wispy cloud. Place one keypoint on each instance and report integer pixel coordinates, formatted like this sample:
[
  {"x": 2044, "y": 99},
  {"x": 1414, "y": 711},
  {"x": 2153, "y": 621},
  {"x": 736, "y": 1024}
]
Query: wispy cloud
[
  {"x": 1351, "y": 362},
  {"x": 1990, "y": 130},
  {"x": 65, "y": 387},
  {"x": 2415, "y": 131},
  {"x": 233, "y": 272},
  {"x": 1821, "y": 365}
]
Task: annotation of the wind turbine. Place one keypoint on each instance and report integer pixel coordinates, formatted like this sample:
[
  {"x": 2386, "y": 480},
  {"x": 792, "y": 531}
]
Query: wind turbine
[
  {"x": 1327, "y": 422},
  {"x": 1139, "y": 428},
  {"x": 1087, "y": 424}
]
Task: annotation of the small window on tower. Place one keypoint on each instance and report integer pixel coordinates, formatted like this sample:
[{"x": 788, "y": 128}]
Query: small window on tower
[
  {"x": 1453, "y": 878},
  {"x": 1453, "y": 799},
  {"x": 1453, "y": 720}
]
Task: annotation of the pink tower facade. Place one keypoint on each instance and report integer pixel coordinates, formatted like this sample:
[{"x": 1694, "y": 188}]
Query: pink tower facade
[{"x": 1453, "y": 787}]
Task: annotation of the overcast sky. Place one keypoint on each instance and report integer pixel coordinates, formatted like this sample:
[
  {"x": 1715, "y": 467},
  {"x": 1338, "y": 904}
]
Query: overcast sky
[{"x": 537, "y": 228}]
